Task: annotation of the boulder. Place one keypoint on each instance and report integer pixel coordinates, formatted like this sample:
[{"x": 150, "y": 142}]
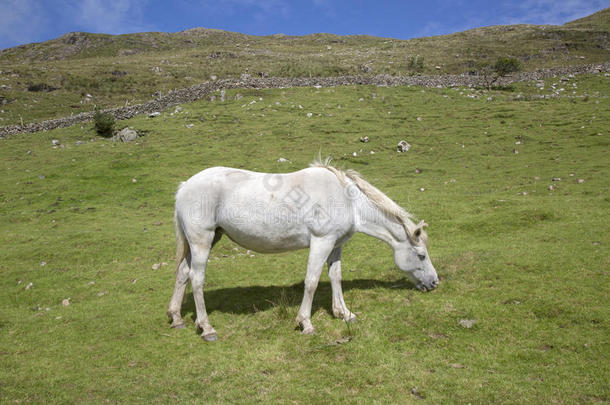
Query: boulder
[{"x": 127, "y": 134}]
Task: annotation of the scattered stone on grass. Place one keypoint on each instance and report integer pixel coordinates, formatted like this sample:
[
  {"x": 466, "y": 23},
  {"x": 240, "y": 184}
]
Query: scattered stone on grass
[
  {"x": 282, "y": 160},
  {"x": 156, "y": 266},
  {"x": 154, "y": 114},
  {"x": 580, "y": 181},
  {"x": 403, "y": 146},
  {"x": 65, "y": 302},
  {"x": 415, "y": 392},
  {"x": 456, "y": 365},
  {"x": 55, "y": 142},
  {"x": 467, "y": 323},
  {"x": 30, "y": 285},
  {"x": 551, "y": 187},
  {"x": 418, "y": 170},
  {"x": 364, "y": 139}
]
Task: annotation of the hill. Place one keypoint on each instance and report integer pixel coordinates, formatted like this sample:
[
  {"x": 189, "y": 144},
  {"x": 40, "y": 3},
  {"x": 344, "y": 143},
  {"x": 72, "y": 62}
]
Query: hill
[{"x": 78, "y": 71}]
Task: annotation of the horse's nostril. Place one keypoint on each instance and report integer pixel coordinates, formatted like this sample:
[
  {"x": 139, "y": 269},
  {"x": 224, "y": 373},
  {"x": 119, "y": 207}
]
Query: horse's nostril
[{"x": 435, "y": 283}]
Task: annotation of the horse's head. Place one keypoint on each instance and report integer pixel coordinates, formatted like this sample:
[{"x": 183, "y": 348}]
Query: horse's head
[{"x": 411, "y": 256}]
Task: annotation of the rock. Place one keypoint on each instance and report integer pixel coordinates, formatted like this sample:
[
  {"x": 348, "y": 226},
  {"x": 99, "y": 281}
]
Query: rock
[
  {"x": 418, "y": 170},
  {"x": 282, "y": 160},
  {"x": 309, "y": 115},
  {"x": 156, "y": 266},
  {"x": 419, "y": 118},
  {"x": 154, "y": 114},
  {"x": 552, "y": 187},
  {"x": 55, "y": 142},
  {"x": 403, "y": 146},
  {"x": 126, "y": 134},
  {"x": 467, "y": 323},
  {"x": 580, "y": 181},
  {"x": 556, "y": 178},
  {"x": 134, "y": 180},
  {"x": 364, "y": 139},
  {"x": 65, "y": 302},
  {"x": 415, "y": 392},
  {"x": 27, "y": 287},
  {"x": 213, "y": 77},
  {"x": 189, "y": 125}
]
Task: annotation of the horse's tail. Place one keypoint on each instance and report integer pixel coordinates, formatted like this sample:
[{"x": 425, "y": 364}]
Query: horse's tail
[{"x": 182, "y": 246}]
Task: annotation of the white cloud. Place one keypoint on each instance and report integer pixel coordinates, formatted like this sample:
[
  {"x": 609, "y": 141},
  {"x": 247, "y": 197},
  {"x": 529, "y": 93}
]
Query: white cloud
[
  {"x": 21, "y": 21},
  {"x": 554, "y": 12},
  {"x": 111, "y": 17}
]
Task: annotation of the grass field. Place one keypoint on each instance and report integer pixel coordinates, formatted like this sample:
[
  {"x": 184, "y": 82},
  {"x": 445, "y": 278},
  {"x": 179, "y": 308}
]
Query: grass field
[{"x": 527, "y": 265}]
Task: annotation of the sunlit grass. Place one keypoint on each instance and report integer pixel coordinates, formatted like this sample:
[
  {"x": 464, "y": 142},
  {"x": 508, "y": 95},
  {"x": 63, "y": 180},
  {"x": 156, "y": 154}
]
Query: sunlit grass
[{"x": 528, "y": 264}]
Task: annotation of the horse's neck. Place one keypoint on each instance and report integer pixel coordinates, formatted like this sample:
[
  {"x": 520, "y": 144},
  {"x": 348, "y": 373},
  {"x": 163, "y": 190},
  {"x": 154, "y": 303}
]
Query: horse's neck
[{"x": 372, "y": 221}]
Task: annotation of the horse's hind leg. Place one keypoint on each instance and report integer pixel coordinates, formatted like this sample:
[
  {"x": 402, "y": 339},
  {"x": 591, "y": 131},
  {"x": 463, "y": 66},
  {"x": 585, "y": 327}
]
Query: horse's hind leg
[
  {"x": 334, "y": 273},
  {"x": 182, "y": 275},
  {"x": 200, "y": 251}
]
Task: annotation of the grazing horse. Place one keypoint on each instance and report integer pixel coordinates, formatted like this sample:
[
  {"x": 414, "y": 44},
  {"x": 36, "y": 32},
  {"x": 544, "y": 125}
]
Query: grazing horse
[{"x": 319, "y": 207}]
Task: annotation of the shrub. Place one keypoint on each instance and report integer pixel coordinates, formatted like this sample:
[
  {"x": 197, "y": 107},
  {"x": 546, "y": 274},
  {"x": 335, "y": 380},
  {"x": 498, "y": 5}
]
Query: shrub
[
  {"x": 502, "y": 67},
  {"x": 506, "y": 66},
  {"x": 103, "y": 123},
  {"x": 415, "y": 64}
]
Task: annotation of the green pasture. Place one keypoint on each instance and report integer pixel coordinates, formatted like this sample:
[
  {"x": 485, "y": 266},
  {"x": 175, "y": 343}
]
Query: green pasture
[{"x": 521, "y": 314}]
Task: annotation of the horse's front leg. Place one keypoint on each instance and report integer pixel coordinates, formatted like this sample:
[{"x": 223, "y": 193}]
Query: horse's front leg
[
  {"x": 319, "y": 249},
  {"x": 334, "y": 273}
]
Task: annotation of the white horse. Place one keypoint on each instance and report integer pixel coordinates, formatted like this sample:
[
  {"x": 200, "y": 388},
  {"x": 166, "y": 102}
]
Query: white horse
[{"x": 319, "y": 207}]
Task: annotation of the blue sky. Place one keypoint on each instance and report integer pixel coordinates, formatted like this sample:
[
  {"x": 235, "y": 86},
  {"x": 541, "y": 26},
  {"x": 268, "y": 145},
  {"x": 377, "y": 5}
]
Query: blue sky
[{"x": 25, "y": 21}]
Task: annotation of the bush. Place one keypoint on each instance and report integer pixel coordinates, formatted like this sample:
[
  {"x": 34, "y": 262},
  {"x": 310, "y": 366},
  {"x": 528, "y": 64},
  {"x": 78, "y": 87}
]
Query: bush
[
  {"x": 103, "y": 123},
  {"x": 502, "y": 67},
  {"x": 506, "y": 66}
]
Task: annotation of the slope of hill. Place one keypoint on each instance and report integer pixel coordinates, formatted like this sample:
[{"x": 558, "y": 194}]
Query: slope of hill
[{"x": 78, "y": 71}]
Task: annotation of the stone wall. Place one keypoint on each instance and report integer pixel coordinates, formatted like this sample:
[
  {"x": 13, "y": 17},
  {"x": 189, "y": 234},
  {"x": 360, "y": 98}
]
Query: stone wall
[{"x": 202, "y": 90}]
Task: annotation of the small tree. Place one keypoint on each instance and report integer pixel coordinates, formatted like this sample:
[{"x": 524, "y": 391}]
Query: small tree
[
  {"x": 103, "y": 123},
  {"x": 506, "y": 66},
  {"x": 503, "y": 67}
]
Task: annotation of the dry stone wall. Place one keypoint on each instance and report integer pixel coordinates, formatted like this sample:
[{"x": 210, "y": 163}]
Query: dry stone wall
[{"x": 202, "y": 90}]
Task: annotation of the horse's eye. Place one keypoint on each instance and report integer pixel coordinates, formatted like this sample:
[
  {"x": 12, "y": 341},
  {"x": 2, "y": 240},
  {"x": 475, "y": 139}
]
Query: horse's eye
[{"x": 422, "y": 257}]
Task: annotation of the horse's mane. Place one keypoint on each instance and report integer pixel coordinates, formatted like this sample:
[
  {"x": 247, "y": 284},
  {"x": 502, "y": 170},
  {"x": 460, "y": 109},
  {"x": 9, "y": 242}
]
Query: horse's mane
[{"x": 374, "y": 195}]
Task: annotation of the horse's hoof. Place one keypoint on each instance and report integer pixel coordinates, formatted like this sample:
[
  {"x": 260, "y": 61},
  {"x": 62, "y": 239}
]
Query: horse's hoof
[
  {"x": 210, "y": 337},
  {"x": 179, "y": 326},
  {"x": 308, "y": 331}
]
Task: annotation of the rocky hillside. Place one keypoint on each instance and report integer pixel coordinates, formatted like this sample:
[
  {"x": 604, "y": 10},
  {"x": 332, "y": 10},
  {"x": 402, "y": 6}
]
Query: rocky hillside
[{"x": 77, "y": 71}]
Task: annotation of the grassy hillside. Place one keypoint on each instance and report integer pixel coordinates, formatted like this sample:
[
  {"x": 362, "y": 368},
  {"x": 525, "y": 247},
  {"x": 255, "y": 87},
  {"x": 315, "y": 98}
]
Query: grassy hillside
[
  {"x": 73, "y": 73},
  {"x": 525, "y": 262}
]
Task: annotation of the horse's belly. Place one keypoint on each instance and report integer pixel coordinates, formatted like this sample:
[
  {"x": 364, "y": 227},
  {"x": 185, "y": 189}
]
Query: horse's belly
[{"x": 267, "y": 238}]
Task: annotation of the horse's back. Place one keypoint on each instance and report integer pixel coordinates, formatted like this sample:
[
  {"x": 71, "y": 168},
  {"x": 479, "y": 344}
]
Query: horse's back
[{"x": 267, "y": 211}]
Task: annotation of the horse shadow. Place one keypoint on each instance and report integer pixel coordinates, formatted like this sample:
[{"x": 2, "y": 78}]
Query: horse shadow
[{"x": 251, "y": 299}]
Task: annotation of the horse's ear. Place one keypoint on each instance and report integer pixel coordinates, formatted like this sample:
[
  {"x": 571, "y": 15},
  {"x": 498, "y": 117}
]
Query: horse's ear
[{"x": 419, "y": 229}]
